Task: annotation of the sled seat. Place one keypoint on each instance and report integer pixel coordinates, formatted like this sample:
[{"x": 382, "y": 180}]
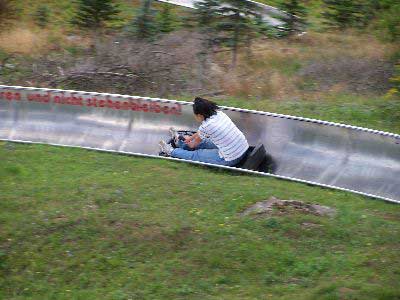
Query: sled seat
[{"x": 254, "y": 158}]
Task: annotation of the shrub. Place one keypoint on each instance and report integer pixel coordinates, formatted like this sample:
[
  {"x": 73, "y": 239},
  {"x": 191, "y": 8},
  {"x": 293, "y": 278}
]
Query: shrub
[
  {"x": 42, "y": 15},
  {"x": 389, "y": 24},
  {"x": 297, "y": 12},
  {"x": 343, "y": 13},
  {"x": 395, "y": 90},
  {"x": 166, "y": 19},
  {"x": 144, "y": 26},
  {"x": 93, "y": 14}
]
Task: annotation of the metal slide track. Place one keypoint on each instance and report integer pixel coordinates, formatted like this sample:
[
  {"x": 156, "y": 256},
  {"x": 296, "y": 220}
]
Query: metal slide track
[
  {"x": 338, "y": 156},
  {"x": 269, "y": 14}
]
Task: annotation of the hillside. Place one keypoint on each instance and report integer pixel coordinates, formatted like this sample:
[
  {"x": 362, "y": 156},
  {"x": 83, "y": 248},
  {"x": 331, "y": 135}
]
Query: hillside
[{"x": 80, "y": 224}]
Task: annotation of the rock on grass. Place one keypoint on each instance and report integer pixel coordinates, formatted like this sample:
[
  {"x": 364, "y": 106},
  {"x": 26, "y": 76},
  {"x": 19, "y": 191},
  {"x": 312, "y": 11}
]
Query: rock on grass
[{"x": 268, "y": 207}]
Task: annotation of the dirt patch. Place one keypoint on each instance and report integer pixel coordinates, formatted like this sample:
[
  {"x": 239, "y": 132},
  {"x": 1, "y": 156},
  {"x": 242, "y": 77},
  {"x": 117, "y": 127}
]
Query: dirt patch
[{"x": 275, "y": 206}]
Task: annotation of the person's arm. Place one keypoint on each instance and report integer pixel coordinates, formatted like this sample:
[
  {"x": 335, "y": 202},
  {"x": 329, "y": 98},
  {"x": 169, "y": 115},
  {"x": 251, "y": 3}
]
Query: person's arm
[{"x": 194, "y": 140}]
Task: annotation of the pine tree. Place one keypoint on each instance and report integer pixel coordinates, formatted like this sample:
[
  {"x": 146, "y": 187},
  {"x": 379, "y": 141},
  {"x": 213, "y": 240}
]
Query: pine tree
[
  {"x": 238, "y": 24},
  {"x": 207, "y": 13},
  {"x": 206, "y": 17},
  {"x": 143, "y": 26},
  {"x": 297, "y": 13},
  {"x": 92, "y": 14},
  {"x": 343, "y": 13},
  {"x": 265, "y": 29},
  {"x": 166, "y": 20}
]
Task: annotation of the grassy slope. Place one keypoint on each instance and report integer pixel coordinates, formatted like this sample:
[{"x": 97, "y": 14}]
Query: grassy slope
[{"x": 77, "y": 224}]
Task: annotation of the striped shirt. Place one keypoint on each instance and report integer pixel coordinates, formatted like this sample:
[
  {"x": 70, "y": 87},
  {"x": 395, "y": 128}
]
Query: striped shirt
[{"x": 220, "y": 129}]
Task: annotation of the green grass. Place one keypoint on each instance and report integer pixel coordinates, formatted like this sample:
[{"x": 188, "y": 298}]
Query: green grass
[{"x": 79, "y": 224}]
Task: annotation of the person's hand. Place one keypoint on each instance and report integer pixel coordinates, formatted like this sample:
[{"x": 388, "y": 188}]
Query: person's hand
[
  {"x": 188, "y": 139},
  {"x": 192, "y": 144}
]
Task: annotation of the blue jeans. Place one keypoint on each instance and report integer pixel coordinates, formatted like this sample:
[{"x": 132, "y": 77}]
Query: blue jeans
[{"x": 205, "y": 152}]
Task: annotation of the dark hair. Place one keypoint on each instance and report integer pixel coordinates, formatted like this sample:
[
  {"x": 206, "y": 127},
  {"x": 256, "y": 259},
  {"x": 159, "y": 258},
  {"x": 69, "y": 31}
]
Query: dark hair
[{"x": 204, "y": 107}]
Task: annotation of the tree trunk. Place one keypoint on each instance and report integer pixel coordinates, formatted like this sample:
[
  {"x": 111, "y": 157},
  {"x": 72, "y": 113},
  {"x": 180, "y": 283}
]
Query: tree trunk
[
  {"x": 248, "y": 46},
  {"x": 235, "y": 46}
]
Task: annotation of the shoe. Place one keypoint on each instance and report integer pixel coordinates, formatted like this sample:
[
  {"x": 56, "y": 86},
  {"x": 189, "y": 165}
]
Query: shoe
[
  {"x": 174, "y": 135},
  {"x": 165, "y": 148}
]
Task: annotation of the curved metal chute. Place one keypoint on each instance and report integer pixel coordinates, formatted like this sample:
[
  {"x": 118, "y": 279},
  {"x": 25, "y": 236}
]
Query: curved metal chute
[
  {"x": 271, "y": 15},
  {"x": 339, "y": 156}
]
